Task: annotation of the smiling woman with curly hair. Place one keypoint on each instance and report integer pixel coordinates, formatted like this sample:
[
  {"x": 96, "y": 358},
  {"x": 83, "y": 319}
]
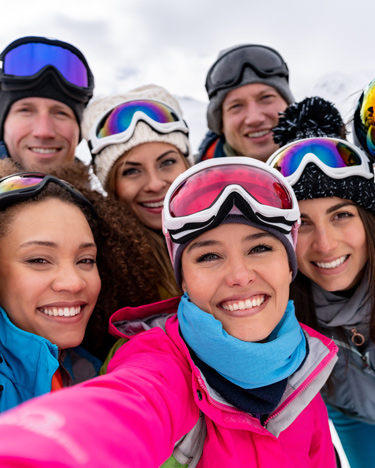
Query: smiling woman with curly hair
[{"x": 127, "y": 264}]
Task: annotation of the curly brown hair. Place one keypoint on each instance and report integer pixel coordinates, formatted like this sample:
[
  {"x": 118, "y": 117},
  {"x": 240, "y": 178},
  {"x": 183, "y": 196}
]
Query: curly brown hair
[{"x": 126, "y": 261}]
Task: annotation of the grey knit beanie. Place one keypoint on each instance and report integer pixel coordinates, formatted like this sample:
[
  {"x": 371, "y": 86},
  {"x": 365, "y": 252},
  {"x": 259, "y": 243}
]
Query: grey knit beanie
[
  {"x": 249, "y": 76},
  {"x": 143, "y": 133}
]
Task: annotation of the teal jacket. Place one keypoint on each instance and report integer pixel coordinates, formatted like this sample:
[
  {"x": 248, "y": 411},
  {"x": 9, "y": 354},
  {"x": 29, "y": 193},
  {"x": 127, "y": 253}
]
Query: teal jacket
[{"x": 28, "y": 362}]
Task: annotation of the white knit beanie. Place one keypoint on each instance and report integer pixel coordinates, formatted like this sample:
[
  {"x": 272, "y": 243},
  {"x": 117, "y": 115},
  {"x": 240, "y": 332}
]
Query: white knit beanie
[{"x": 143, "y": 133}]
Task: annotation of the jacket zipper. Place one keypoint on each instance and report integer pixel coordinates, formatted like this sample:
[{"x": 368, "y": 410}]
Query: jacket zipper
[
  {"x": 226, "y": 408},
  {"x": 221, "y": 406},
  {"x": 299, "y": 391},
  {"x": 364, "y": 357}
]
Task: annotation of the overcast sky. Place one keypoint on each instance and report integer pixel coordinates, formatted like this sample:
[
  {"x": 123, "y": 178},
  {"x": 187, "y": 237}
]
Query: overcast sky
[{"x": 128, "y": 43}]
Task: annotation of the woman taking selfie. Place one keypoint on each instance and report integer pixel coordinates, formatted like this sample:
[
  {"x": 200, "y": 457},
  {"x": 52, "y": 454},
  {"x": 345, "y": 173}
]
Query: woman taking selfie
[{"x": 228, "y": 358}]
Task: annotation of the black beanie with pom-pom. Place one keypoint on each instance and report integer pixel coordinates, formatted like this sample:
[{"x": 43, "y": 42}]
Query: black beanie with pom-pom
[{"x": 315, "y": 117}]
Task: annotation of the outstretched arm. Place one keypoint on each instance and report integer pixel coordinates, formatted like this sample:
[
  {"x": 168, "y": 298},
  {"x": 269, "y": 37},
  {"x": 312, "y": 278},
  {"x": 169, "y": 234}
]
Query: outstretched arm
[{"x": 129, "y": 417}]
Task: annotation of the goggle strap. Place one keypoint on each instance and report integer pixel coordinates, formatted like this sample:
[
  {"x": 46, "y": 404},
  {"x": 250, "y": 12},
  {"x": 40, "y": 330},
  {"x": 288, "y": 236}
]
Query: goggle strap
[
  {"x": 23, "y": 193},
  {"x": 24, "y": 83},
  {"x": 279, "y": 220},
  {"x": 204, "y": 226},
  {"x": 237, "y": 79}
]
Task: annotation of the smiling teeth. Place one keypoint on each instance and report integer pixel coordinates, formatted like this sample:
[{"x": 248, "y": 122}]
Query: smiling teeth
[
  {"x": 258, "y": 134},
  {"x": 62, "y": 311},
  {"x": 154, "y": 205},
  {"x": 242, "y": 305},
  {"x": 44, "y": 150},
  {"x": 334, "y": 264}
]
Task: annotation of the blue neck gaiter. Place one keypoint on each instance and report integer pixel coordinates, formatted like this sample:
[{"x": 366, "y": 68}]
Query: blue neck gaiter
[{"x": 246, "y": 364}]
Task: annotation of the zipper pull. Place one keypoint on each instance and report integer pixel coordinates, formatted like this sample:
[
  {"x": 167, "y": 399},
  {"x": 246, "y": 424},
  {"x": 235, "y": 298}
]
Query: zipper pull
[
  {"x": 357, "y": 339},
  {"x": 366, "y": 366},
  {"x": 364, "y": 362}
]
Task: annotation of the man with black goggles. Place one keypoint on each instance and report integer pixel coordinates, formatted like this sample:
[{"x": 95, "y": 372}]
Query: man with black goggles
[
  {"x": 248, "y": 85},
  {"x": 45, "y": 84}
]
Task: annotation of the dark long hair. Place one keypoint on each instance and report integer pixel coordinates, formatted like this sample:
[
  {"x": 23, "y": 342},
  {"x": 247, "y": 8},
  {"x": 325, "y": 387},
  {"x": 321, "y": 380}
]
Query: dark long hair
[{"x": 301, "y": 291}]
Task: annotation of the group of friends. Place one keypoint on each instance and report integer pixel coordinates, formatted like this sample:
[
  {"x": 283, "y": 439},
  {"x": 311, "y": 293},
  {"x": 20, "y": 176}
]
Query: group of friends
[{"x": 210, "y": 309}]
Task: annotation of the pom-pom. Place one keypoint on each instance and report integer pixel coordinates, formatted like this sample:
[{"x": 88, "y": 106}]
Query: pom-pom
[{"x": 312, "y": 117}]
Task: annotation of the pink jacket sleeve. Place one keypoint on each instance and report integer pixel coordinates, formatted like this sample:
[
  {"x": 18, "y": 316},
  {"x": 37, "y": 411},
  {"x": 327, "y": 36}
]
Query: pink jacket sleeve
[{"x": 130, "y": 417}]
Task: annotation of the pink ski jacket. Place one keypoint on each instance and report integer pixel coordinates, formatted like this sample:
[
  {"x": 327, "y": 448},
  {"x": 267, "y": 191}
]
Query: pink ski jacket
[{"x": 153, "y": 395}]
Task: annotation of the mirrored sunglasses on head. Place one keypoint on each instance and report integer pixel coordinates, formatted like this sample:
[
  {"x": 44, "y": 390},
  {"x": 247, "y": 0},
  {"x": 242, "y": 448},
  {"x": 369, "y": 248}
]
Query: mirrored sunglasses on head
[
  {"x": 228, "y": 69},
  {"x": 118, "y": 124},
  {"x": 26, "y": 185}
]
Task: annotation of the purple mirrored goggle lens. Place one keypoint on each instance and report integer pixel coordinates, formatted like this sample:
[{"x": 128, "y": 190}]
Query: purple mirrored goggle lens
[
  {"x": 120, "y": 118},
  {"x": 330, "y": 153},
  {"x": 18, "y": 182},
  {"x": 28, "y": 59}
]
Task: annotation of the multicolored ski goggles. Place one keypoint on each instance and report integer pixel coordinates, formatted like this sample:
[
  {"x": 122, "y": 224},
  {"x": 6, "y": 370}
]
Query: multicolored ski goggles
[
  {"x": 202, "y": 197},
  {"x": 228, "y": 69},
  {"x": 26, "y": 185},
  {"x": 336, "y": 158},
  {"x": 364, "y": 121},
  {"x": 25, "y": 60},
  {"x": 118, "y": 124}
]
